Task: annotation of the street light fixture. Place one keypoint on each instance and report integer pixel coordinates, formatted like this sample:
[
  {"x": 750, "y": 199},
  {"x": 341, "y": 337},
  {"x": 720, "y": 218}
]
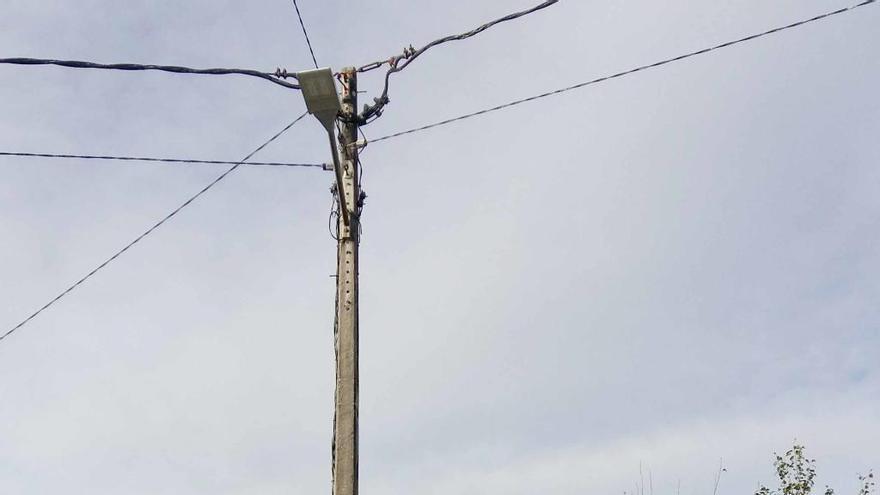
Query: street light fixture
[
  {"x": 319, "y": 91},
  {"x": 322, "y": 101}
]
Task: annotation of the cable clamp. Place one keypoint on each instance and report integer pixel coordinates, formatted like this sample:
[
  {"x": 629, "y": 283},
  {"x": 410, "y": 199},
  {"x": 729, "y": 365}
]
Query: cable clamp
[
  {"x": 369, "y": 67},
  {"x": 358, "y": 144}
]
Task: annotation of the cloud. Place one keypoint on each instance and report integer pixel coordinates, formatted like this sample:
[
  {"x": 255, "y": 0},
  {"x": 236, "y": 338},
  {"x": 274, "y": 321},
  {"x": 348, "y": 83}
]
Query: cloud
[
  {"x": 686, "y": 454},
  {"x": 668, "y": 269}
]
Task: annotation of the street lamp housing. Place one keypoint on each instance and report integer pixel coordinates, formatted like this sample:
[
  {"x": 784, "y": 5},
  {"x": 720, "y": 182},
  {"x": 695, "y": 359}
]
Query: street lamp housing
[{"x": 319, "y": 91}]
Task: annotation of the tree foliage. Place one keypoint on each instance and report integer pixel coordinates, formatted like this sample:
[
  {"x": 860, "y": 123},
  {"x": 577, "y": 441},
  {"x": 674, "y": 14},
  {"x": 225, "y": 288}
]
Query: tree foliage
[{"x": 797, "y": 474}]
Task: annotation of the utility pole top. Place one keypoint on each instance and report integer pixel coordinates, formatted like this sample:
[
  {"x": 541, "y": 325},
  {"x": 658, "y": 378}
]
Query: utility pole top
[{"x": 322, "y": 101}]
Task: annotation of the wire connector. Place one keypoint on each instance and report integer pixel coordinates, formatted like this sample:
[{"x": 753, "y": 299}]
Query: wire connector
[
  {"x": 283, "y": 74},
  {"x": 359, "y": 145}
]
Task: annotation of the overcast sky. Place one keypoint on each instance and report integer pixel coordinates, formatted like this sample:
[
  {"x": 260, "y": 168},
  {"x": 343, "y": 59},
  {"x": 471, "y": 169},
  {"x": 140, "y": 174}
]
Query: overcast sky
[{"x": 663, "y": 270}]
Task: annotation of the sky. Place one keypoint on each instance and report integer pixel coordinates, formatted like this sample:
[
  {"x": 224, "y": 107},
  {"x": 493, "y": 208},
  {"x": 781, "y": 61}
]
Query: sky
[{"x": 663, "y": 272}]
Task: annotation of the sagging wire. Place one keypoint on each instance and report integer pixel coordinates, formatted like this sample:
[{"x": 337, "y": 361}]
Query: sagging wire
[
  {"x": 276, "y": 77},
  {"x": 155, "y": 160},
  {"x": 150, "y": 230},
  {"x": 333, "y": 218},
  {"x": 399, "y": 62},
  {"x": 361, "y": 200},
  {"x": 629, "y": 72}
]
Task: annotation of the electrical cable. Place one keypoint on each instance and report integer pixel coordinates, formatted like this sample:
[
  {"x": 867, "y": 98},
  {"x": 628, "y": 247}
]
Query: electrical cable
[
  {"x": 150, "y": 230},
  {"x": 628, "y": 72},
  {"x": 275, "y": 77},
  {"x": 333, "y": 210},
  {"x": 400, "y": 62},
  {"x": 162, "y": 160},
  {"x": 305, "y": 33}
]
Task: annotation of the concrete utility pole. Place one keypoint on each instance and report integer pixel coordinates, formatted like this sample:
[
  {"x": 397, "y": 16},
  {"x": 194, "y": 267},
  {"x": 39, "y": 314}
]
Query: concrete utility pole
[{"x": 345, "y": 424}]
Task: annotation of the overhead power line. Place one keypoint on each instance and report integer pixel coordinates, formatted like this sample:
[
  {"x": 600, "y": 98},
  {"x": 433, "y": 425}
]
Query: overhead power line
[
  {"x": 276, "y": 77},
  {"x": 162, "y": 160},
  {"x": 305, "y": 33},
  {"x": 627, "y": 72},
  {"x": 150, "y": 230},
  {"x": 399, "y": 62}
]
